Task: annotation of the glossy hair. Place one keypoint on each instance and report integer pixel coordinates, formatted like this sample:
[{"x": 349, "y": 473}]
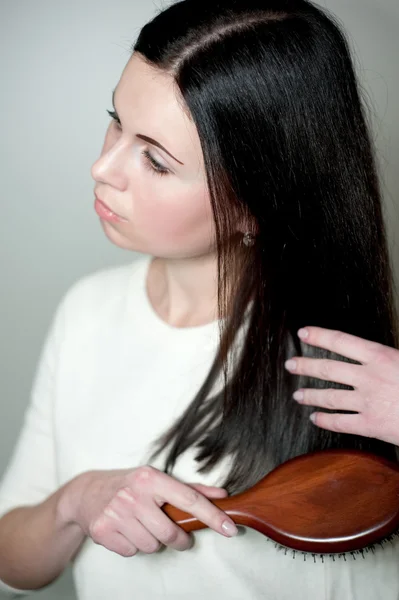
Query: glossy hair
[{"x": 271, "y": 88}]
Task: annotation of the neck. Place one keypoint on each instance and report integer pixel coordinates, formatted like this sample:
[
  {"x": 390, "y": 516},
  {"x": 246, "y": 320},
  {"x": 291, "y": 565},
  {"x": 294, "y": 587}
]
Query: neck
[{"x": 184, "y": 291}]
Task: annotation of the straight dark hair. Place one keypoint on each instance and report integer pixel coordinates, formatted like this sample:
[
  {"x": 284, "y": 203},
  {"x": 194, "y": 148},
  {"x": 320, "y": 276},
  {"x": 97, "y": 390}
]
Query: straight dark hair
[{"x": 272, "y": 90}]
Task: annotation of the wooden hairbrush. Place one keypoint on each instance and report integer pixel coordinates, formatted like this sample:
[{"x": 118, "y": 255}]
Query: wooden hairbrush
[{"x": 331, "y": 501}]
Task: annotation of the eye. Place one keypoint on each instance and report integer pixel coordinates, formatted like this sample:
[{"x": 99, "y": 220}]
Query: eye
[
  {"x": 115, "y": 117},
  {"x": 153, "y": 165},
  {"x": 150, "y": 162}
]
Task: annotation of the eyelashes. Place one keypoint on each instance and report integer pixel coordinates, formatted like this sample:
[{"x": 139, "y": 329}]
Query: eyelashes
[
  {"x": 153, "y": 165},
  {"x": 114, "y": 116},
  {"x": 150, "y": 163}
]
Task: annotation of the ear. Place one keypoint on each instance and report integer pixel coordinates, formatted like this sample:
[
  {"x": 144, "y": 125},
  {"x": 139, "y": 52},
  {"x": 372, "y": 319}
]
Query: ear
[{"x": 248, "y": 225}]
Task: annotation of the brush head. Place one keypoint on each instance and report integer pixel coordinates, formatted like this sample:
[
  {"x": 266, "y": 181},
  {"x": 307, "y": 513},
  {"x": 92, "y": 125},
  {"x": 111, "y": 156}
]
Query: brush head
[{"x": 332, "y": 501}]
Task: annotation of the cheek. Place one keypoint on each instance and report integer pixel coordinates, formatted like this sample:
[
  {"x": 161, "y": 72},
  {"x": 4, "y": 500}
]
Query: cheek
[{"x": 179, "y": 220}]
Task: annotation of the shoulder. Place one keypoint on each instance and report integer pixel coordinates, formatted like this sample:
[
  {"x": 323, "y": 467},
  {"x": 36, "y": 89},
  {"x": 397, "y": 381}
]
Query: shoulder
[
  {"x": 103, "y": 292},
  {"x": 102, "y": 284}
]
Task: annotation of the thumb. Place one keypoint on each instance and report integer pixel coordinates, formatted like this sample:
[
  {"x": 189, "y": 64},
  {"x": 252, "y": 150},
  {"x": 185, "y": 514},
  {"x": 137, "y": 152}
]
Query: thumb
[{"x": 209, "y": 491}]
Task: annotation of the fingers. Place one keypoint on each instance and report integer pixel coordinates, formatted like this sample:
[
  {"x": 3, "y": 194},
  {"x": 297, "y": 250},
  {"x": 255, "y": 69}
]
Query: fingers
[
  {"x": 341, "y": 343},
  {"x": 209, "y": 491},
  {"x": 163, "y": 529},
  {"x": 128, "y": 516},
  {"x": 133, "y": 520},
  {"x": 330, "y": 398},
  {"x": 165, "y": 489},
  {"x": 142, "y": 522},
  {"x": 326, "y": 369},
  {"x": 355, "y": 424},
  {"x": 103, "y": 533},
  {"x": 135, "y": 534}
]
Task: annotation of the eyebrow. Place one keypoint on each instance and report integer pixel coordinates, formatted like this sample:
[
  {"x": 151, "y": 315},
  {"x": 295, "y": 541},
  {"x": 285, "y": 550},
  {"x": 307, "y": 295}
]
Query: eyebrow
[{"x": 147, "y": 139}]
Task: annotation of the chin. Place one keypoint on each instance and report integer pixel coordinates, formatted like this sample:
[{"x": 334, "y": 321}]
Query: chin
[
  {"x": 117, "y": 238},
  {"x": 167, "y": 251}
]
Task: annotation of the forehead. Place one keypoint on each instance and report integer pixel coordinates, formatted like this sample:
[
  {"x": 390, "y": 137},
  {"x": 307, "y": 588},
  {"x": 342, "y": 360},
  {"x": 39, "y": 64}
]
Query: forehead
[{"x": 147, "y": 99}]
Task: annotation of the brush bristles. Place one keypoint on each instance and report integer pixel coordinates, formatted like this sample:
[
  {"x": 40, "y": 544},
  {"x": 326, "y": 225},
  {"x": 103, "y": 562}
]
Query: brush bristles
[{"x": 338, "y": 556}]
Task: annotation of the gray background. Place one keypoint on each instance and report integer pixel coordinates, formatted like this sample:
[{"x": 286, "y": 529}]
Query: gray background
[{"x": 59, "y": 62}]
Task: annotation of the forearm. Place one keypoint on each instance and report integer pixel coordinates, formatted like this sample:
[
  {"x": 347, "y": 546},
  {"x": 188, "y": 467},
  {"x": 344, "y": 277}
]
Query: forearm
[{"x": 37, "y": 542}]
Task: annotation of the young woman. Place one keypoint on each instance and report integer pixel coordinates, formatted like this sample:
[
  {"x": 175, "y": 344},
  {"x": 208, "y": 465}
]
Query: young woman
[{"x": 239, "y": 162}]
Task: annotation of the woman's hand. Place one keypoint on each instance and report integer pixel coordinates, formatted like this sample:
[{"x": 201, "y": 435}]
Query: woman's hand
[
  {"x": 121, "y": 510},
  {"x": 375, "y": 396}
]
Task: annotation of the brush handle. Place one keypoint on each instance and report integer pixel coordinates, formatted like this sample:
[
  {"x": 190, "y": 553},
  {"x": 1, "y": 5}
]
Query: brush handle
[
  {"x": 331, "y": 501},
  {"x": 190, "y": 523}
]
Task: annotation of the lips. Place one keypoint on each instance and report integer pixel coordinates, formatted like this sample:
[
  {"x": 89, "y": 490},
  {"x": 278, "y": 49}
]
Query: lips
[
  {"x": 105, "y": 213},
  {"x": 105, "y": 206}
]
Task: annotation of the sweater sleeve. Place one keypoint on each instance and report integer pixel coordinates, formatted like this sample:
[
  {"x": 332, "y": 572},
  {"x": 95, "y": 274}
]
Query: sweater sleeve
[{"x": 30, "y": 476}]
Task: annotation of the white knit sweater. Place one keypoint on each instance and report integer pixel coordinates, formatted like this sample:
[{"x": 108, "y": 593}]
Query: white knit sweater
[{"x": 112, "y": 377}]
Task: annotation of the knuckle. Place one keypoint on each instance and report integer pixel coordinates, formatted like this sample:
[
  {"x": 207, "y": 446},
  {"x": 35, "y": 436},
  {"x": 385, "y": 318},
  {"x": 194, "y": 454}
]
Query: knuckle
[
  {"x": 168, "y": 535},
  {"x": 144, "y": 474},
  {"x": 150, "y": 547},
  {"x": 190, "y": 497},
  {"x": 378, "y": 353},
  {"x": 337, "y": 424},
  {"x": 339, "y": 338},
  {"x": 381, "y": 354},
  {"x": 126, "y": 494},
  {"x": 97, "y": 530},
  {"x": 330, "y": 399},
  {"x": 325, "y": 369},
  {"x": 129, "y": 552}
]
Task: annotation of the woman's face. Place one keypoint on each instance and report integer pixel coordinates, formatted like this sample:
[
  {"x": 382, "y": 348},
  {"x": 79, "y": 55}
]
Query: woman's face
[{"x": 154, "y": 203}]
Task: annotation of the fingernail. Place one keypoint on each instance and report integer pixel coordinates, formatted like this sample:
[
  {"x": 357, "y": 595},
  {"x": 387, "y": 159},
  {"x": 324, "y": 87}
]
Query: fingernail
[
  {"x": 290, "y": 365},
  {"x": 313, "y": 417},
  {"x": 303, "y": 333},
  {"x": 298, "y": 395},
  {"x": 229, "y": 528}
]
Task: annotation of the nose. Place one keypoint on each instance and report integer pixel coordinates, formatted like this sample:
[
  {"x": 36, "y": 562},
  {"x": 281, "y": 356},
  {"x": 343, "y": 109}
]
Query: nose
[{"x": 110, "y": 167}]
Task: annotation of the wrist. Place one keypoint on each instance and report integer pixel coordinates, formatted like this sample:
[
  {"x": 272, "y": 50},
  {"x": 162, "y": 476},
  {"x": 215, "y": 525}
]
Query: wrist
[{"x": 69, "y": 501}]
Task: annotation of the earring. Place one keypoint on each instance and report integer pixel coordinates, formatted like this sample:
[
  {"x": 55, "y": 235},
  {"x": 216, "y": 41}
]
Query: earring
[{"x": 248, "y": 239}]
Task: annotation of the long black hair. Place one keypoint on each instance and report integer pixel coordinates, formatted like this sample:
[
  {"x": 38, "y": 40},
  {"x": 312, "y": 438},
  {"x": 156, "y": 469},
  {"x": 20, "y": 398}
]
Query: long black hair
[{"x": 272, "y": 91}]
